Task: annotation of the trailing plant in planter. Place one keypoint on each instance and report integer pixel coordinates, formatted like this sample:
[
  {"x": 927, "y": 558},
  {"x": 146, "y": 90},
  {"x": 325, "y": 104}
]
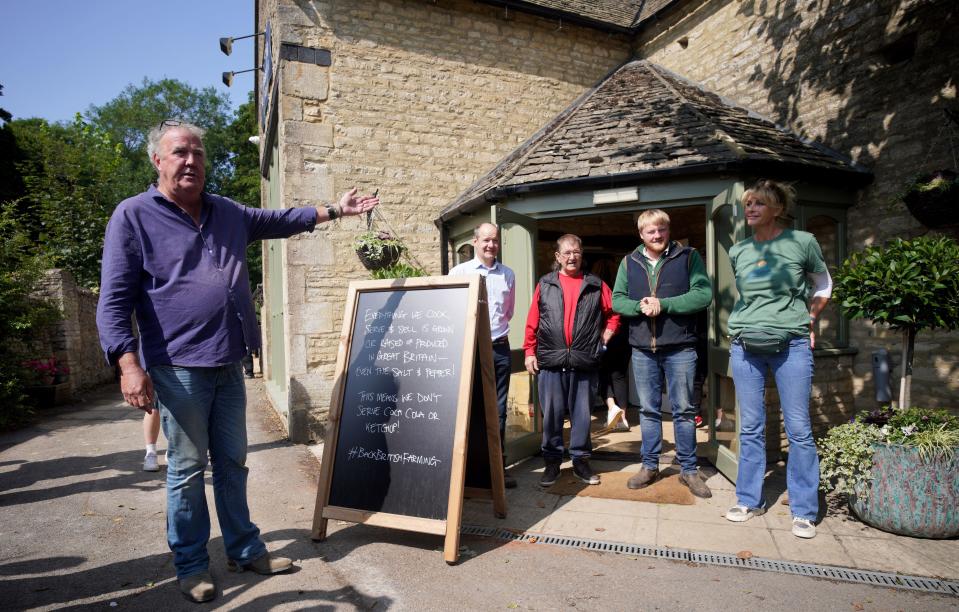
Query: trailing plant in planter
[
  {"x": 900, "y": 469},
  {"x": 378, "y": 249},
  {"x": 909, "y": 285},
  {"x": 933, "y": 198},
  {"x": 398, "y": 270}
]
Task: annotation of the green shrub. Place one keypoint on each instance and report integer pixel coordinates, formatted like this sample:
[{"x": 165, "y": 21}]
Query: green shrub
[{"x": 22, "y": 316}]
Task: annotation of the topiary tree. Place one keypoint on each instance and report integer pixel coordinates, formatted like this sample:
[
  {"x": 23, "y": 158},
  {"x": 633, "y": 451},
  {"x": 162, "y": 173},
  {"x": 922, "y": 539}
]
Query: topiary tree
[{"x": 909, "y": 285}]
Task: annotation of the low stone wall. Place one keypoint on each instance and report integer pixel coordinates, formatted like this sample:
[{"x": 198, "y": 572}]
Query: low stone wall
[{"x": 75, "y": 341}]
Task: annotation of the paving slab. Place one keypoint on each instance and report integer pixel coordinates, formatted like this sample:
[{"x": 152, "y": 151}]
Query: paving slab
[{"x": 81, "y": 526}]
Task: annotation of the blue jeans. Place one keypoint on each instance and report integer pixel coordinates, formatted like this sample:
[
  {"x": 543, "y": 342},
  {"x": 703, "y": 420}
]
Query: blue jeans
[
  {"x": 204, "y": 410},
  {"x": 679, "y": 367},
  {"x": 559, "y": 391},
  {"x": 792, "y": 370}
]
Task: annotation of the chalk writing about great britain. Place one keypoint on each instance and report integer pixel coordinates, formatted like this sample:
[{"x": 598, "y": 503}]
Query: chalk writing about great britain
[{"x": 399, "y": 402}]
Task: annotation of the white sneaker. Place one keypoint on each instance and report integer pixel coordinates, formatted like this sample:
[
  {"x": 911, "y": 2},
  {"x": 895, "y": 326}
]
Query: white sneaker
[
  {"x": 741, "y": 514},
  {"x": 616, "y": 419},
  {"x": 803, "y": 528},
  {"x": 150, "y": 463}
]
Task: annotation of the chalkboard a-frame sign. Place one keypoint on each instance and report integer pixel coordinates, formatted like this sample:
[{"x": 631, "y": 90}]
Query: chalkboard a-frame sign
[{"x": 413, "y": 418}]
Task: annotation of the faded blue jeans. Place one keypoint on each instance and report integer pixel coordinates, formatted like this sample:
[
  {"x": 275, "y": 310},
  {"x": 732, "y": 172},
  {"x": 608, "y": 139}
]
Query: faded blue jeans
[
  {"x": 792, "y": 370},
  {"x": 679, "y": 367},
  {"x": 204, "y": 410}
]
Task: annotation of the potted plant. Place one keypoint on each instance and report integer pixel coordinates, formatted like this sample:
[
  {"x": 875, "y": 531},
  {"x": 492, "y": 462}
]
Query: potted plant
[
  {"x": 899, "y": 468},
  {"x": 378, "y": 249},
  {"x": 46, "y": 381},
  {"x": 933, "y": 199}
]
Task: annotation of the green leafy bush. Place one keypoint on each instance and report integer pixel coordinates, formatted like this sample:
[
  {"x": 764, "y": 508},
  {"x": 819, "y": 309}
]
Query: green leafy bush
[
  {"x": 22, "y": 315},
  {"x": 909, "y": 285},
  {"x": 846, "y": 456}
]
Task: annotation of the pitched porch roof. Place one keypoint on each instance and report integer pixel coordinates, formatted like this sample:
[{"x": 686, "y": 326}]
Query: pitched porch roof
[
  {"x": 644, "y": 121},
  {"x": 615, "y": 15}
]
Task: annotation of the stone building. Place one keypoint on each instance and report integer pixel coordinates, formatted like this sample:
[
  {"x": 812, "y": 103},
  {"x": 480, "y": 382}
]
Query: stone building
[{"x": 459, "y": 111}]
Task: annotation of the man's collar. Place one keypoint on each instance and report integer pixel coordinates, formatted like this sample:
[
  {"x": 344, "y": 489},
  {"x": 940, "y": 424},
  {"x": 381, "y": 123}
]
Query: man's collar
[{"x": 479, "y": 263}]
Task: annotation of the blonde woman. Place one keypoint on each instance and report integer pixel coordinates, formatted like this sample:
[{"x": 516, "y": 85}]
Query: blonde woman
[{"x": 771, "y": 326}]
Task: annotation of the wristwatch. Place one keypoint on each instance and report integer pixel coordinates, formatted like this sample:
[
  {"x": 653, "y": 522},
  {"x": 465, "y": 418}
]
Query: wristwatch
[{"x": 331, "y": 212}]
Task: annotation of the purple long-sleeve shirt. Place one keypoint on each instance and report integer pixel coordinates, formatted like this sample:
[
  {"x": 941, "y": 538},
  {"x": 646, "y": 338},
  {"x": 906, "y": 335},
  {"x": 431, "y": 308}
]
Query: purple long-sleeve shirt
[{"x": 188, "y": 284}]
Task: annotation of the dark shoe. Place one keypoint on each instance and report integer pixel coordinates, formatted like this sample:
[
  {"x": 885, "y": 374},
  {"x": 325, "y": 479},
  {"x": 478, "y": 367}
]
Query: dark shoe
[
  {"x": 585, "y": 473},
  {"x": 198, "y": 587},
  {"x": 550, "y": 475},
  {"x": 696, "y": 485},
  {"x": 508, "y": 481},
  {"x": 643, "y": 478},
  {"x": 264, "y": 564}
]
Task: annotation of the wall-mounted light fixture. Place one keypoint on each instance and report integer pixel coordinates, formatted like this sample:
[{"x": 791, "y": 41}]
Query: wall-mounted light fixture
[
  {"x": 226, "y": 44},
  {"x": 228, "y": 76}
]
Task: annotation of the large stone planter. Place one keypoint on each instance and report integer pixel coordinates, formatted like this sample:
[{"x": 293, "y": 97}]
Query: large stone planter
[{"x": 909, "y": 496}]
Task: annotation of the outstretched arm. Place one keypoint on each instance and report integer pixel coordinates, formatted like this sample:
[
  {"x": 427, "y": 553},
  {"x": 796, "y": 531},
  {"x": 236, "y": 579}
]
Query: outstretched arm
[{"x": 349, "y": 205}]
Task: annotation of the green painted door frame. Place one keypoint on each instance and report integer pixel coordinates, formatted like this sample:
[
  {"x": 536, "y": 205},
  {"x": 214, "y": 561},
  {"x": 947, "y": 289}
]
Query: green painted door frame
[
  {"x": 518, "y": 238},
  {"x": 724, "y": 228}
]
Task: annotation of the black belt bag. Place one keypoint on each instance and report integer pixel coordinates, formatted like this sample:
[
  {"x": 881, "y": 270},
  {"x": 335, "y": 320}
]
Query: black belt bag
[{"x": 764, "y": 341}]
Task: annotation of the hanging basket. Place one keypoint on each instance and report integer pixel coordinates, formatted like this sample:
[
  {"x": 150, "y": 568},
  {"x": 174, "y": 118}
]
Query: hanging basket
[
  {"x": 378, "y": 250},
  {"x": 386, "y": 257},
  {"x": 933, "y": 199}
]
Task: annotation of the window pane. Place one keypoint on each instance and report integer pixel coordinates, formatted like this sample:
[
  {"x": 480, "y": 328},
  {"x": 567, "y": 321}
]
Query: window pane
[{"x": 464, "y": 253}]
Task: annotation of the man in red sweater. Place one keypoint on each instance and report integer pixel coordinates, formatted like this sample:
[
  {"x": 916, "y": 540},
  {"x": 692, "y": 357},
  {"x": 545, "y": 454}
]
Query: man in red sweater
[{"x": 570, "y": 321}]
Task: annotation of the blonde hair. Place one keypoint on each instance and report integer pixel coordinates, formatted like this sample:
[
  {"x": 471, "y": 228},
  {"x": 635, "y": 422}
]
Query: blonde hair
[
  {"x": 652, "y": 217},
  {"x": 775, "y": 194}
]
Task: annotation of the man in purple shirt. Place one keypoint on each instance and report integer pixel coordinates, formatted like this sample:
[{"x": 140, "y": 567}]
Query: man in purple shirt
[{"x": 176, "y": 256}]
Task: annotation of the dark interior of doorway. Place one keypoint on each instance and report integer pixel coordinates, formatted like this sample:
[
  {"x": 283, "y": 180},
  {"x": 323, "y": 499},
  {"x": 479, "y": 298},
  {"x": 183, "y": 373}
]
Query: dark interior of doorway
[{"x": 607, "y": 239}]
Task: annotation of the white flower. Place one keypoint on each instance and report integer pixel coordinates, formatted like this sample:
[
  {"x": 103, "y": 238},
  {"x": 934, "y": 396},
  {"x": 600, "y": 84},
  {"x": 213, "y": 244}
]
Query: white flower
[
  {"x": 909, "y": 430},
  {"x": 884, "y": 431}
]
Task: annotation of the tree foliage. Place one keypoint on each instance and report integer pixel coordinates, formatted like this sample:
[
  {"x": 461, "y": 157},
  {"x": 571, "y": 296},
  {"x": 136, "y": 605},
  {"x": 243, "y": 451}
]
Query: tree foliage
[
  {"x": 910, "y": 285},
  {"x": 130, "y": 116},
  {"x": 242, "y": 183},
  {"x": 22, "y": 316},
  {"x": 904, "y": 284},
  {"x": 71, "y": 175}
]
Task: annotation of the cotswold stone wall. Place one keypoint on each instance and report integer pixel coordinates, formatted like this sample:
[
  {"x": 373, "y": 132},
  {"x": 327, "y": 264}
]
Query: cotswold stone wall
[
  {"x": 421, "y": 99},
  {"x": 74, "y": 340},
  {"x": 868, "y": 79}
]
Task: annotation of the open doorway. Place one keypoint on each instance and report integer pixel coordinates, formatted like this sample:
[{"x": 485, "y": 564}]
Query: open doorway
[{"x": 607, "y": 239}]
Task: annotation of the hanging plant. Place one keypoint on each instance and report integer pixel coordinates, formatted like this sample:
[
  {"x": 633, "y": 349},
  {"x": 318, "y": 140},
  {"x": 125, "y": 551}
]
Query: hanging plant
[
  {"x": 398, "y": 270},
  {"x": 933, "y": 199},
  {"x": 378, "y": 249}
]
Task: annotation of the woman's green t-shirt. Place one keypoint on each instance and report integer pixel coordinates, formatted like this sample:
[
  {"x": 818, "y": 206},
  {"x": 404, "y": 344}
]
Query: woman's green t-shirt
[{"x": 771, "y": 279}]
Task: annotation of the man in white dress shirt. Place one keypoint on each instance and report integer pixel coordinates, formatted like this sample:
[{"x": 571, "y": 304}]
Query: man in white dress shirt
[{"x": 501, "y": 298}]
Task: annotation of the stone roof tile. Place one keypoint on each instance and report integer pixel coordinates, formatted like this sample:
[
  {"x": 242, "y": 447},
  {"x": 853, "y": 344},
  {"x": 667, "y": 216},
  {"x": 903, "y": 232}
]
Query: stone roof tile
[{"x": 643, "y": 118}]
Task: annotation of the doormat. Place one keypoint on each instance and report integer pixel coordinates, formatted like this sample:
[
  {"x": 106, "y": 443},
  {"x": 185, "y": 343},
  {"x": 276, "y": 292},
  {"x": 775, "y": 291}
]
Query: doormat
[{"x": 667, "y": 490}]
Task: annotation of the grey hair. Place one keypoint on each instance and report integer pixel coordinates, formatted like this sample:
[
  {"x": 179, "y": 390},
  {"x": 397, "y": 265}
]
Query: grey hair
[
  {"x": 476, "y": 230},
  {"x": 153, "y": 138}
]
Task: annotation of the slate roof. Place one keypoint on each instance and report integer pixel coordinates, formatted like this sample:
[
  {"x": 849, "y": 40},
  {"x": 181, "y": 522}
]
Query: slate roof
[
  {"x": 644, "y": 119},
  {"x": 620, "y": 15}
]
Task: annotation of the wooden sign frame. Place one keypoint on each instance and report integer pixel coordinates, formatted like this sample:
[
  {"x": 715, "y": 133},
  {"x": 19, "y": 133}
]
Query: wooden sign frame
[{"x": 476, "y": 360}]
